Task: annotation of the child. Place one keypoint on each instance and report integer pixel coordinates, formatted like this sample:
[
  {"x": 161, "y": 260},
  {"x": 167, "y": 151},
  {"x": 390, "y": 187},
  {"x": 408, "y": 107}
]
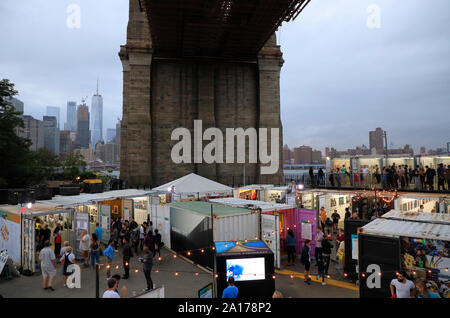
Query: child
[
  {"x": 321, "y": 269},
  {"x": 306, "y": 260}
]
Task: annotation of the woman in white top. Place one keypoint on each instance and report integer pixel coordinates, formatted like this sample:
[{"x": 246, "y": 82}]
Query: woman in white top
[{"x": 67, "y": 259}]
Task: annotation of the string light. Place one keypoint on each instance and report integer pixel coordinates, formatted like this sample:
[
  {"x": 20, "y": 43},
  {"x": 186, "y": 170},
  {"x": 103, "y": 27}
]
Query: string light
[
  {"x": 189, "y": 253},
  {"x": 196, "y": 274},
  {"x": 273, "y": 276},
  {"x": 203, "y": 251},
  {"x": 176, "y": 274},
  {"x": 160, "y": 258},
  {"x": 292, "y": 276}
]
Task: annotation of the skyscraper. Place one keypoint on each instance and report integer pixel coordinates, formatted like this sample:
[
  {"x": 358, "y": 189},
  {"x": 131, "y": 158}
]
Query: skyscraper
[
  {"x": 96, "y": 123},
  {"x": 376, "y": 140},
  {"x": 110, "y": 134},
  {"x": 53, "y": 111},
  {"x": 33, "y": 130},
  {"x": 51, "y": 134},
  {"x": 18, "y": 104},
  {"x": 83, "y": 132},
  {"x": 71, "y": 123}
]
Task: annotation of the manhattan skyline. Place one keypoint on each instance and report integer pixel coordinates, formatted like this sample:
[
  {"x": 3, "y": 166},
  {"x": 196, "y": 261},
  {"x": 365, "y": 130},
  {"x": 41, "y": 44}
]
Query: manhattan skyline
[{"x": 340, "y": 78}]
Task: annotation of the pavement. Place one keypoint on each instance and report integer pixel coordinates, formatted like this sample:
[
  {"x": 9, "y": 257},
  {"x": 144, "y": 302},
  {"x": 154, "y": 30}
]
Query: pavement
[{"x": 190, "y": 278}]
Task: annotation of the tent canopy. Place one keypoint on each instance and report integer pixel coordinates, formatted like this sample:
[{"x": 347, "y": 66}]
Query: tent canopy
[{"x": 193, "y": 183}]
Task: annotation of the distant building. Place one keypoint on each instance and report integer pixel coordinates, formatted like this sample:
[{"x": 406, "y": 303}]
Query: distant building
[
  {"x": 287, "y": 155},
  {"x": 83, "y": 132},
  {"x": 51, "y": 134},
  {"x": 96, "y": 120},
  {"x": 17, "y": 104},
  {"x": 65, "y": 144},
  {"x": 303, "y": 155},
  {"x": 54, "y": 111},
  {"x": 423, "y": 150},
  {"x": 87, "y": 153},
  {"x": 33, "y": 130},
  {"x": 316, "y": 156},
  {"x": 376, "y": 140},
  {"x": 71, "y": 123},
  {"x": 118, "y": 125},
  {"x": 110, "y": 134}
]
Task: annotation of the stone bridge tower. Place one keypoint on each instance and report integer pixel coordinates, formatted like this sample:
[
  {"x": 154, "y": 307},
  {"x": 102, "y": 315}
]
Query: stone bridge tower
[{"x": 161, "y": 94}]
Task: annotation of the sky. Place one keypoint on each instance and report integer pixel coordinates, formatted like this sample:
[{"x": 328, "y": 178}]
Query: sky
[{"x": 350, "y": 66}]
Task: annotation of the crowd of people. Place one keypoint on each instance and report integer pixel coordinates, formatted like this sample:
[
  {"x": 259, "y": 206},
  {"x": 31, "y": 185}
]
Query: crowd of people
[
  {"x": 131, "y": 237},
  {"x": 402, "y": 287},
  {"x": 387, "y": 177}
]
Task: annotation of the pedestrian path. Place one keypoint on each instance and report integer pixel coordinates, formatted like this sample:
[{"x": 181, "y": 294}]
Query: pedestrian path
[{"x": 331, "y": 282}]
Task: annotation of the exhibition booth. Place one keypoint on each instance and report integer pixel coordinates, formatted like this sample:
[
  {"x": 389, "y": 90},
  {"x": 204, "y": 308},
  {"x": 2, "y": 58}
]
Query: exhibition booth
[
  {"x": 416, "y": 242},
  {"x": 19, "y": 226},
  {"x": 196, "y": 225},
  {"x": 250, "y": 263},
  {"x": 433, "y": 203},
  {"x": 251, "y": 192}
]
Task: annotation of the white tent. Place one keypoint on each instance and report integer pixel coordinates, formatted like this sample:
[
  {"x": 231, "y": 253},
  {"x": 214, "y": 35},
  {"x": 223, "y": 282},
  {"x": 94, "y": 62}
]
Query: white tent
[{"x": 195, "y": 184}]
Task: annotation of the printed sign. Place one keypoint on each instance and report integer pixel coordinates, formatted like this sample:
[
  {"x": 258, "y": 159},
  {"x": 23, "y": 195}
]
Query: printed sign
[
  {"x": 355, "y": 246},
  {"x": 306, "y": 230}
]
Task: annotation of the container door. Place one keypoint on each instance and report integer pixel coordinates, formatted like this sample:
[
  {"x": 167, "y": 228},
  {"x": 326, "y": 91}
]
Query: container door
[
  {"x": 105, "y": 222},
  {"x": 351, "y": 229},
  {"x": 377, "y": 254},
  {"x": 270, "y": 232},
  {"x": 29, "y": 244}
]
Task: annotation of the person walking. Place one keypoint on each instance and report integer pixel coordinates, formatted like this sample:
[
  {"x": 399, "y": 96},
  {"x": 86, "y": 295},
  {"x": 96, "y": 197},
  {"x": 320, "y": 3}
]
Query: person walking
[
  {"x": 326, "y": 253},
  {"x": 231, "y": 291},
  {"x": 158, "y": 243},
  {"x": 127, "y": 253},
  {"x": 99, "y": 232},
  {"x": 291, "y": 243},
  {"x": 115, "y": 238},
  {"x": 401, "y": 287},
  {"x": 441, "y": 177},
  {"x": 84, "y": 247},
  {"x": 94, "y": 250},
  {"x": 321, "y": 176},
  {"x": 306, "y": 260},
  {"x": 147, "y": 261},
  {"x": 109, "y": 254},
  {"x": 48, "y": 265},
  {"x": 319, "y": 239},
  {"x": 336, "y": 217},
  {"x": 142, "y": 233},
  {"x": 58, "y": 240},
  {"x": 68, "y": 258},
  {"x": 134, "y": 238},
  {"x": 320, "y": 269}
]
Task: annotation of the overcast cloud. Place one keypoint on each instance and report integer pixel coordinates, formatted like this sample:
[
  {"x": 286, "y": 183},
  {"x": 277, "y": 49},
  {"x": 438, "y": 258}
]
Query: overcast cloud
[{"x": 340, "y": 79}]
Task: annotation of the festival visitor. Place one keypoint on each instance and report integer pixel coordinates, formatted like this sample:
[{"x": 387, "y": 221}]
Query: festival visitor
[
  {"x": 112, "y": 290},
  {"x": 67, "y": 259},
  {"x": 447, "y": 176},
  {"x": 320, "y": 269},
  {"x": 338, "y": 177},
  {"x": 231, "y": 291},
  {"x": 306, "y": 260},
  {"x": 158, "y": 243},
  {"x": 336, "y": 217},
  {"x": 401, "y": 287},
  {"x": 430, "y": 173},
  {"x": 347, "y": 213},
  {"x": 99, "y": 232},
  {"x": 58, "y": 239},
  {"x": 142, "y": 233},
  {"x": 147, "y": 261},
  {"x": 319, "y": 239},
  {"x": 291, "y": 243},
  {"x": 48, "y": 266},
  {"x": 326, "y": 253},
  {"x": 133, "y": 224},
  {"x": 44, "y": 235},
  {"x": 423, "y": 292},
  {"x": 441, "y": 177},
  {"x": 109, "y": 254},
  {"x": 126, "y": 256},
  {"x": 94, "y": 250},
  {"x": 115, "y": 237},
  {"x": 84, "y": 247},
  {"x": 323, "y": 217},
  {"x": 149, "y": 241},
  {"x": 134, "y": 238}
]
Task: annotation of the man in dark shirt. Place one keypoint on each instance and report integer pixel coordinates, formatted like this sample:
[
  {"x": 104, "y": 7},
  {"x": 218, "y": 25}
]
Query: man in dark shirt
[
  {"x": 158, "y": 242},
  {"x": 149, "y": 241},
  {"x": 44, "y": 234},
  {"x": 430, "y": 174},
  {"x": 126, "y": 256}
]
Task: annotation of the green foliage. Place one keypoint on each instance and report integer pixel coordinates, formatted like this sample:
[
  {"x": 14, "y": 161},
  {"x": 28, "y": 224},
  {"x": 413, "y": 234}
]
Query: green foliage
[
  {"x": 15, "y": 157},
  {"x": 72, "y": 164}
]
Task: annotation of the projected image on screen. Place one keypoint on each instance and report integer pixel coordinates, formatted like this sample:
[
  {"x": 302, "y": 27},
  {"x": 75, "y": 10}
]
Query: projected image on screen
[{"x": 246, "y": 269}]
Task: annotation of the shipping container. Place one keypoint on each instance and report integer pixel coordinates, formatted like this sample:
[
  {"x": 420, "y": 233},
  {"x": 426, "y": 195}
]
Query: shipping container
[
  {"x": 416, "y": 242},
  {"x": 351, "y": 227},
  {"x": 196, "y": 225}
]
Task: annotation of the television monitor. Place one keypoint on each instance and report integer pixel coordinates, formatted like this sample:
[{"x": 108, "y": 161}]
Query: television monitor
[{"x": 246, "y": 269}]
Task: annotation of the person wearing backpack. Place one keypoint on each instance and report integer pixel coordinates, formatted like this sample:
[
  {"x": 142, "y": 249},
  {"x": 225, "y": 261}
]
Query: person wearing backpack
[
  {"x": 306, "y": 260},
  {"x": 67, "y": 259},
  {"x": 109, "y": 253}
]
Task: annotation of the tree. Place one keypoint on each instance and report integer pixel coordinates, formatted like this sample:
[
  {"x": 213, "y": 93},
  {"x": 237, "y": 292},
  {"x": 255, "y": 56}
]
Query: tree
[
  {"x": 72, "y": 165},
  {"x": 44, "y": 163},
  {"x": 15, "y": 158}
]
